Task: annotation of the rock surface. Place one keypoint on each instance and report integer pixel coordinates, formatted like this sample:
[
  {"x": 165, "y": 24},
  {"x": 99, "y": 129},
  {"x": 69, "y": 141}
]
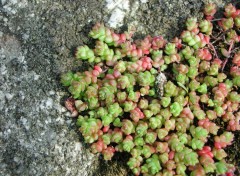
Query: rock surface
[{"x": 37, "y": 39}]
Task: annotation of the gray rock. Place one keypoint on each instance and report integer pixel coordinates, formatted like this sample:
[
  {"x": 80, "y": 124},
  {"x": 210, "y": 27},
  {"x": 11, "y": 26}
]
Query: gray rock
[{"x": 37, "y": 39}]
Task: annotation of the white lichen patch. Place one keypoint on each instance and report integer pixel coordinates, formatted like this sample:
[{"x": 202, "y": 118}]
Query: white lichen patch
[
  {"x": 9, "y": 96},
  {"x": 35, "y": 76},
  {"x": 134, "y": 8},
  {"x": 2, "y": 99},
  {"x": 118, "y": 10},
  {"x": 10, "y": 5},
  {"x": 46, "y": 104},
  {"x": 116, "y": 18},
  {"x": 121, "y": 4},
  {"x": 143, "y": 1},
  {"x": 25, "y": 123}
]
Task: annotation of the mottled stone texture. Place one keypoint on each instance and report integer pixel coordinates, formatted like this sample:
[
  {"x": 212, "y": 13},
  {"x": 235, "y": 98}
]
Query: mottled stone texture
[{"x": 37, "y": 39}]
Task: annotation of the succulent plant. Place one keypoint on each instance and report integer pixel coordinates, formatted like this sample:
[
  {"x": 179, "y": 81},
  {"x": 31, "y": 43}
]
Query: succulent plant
[{"x": 162, "y": 101}]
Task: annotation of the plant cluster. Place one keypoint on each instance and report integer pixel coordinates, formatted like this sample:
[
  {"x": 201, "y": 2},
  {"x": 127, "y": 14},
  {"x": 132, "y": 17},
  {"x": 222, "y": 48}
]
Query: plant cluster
[{"x": 171, "y": 105}]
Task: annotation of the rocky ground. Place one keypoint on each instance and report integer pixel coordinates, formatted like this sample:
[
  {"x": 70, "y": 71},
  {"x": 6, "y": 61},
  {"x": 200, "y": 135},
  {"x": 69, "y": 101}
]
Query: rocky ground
[{"x": 37, "y": 39}]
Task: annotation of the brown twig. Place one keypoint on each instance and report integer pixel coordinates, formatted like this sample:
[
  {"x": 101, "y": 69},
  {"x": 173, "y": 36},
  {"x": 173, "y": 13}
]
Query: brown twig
[
  {"x": 229, "y": 51},
  {"x": 218, "y": 19},
  {"x": 215, "y": 52},
  {"x": 217, "y": 39},
  {"x": 220, "y": 35},
  {"x": 235, "y": 49}
]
